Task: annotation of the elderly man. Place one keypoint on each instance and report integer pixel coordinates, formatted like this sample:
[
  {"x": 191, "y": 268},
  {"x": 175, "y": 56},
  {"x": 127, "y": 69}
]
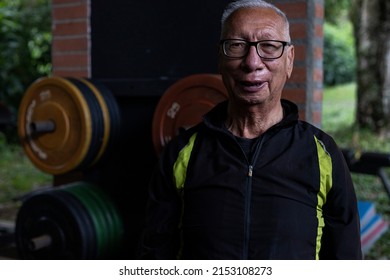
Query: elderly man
[{"x": 252, "y": 181}]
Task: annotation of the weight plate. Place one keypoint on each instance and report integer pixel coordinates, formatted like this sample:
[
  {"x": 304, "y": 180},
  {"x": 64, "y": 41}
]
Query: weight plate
[
  {"x": 113, "y": 109},
  {"x": 97, "y": 214},
  {"x": 98, "y": 124},
  {"x": 114, "y": 221},
  {"x": 108, "y": 225},
  {"x": 62, "y": 220},
  {"x": 85, "y": 246},
  {"x": 56, "y": 100},
  {"x": 106, "y": 125},
  {"x": 183, "y": 105}
]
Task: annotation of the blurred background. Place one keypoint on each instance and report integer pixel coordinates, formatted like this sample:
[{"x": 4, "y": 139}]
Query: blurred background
[{"x": 355, "y": 107}]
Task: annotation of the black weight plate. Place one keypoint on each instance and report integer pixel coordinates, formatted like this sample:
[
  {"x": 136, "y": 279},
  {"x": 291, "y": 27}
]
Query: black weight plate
[
  {"x": 113, "y": 109},
  {"x": 97, "y": 133},
  {"x": 60, "y": 216}
]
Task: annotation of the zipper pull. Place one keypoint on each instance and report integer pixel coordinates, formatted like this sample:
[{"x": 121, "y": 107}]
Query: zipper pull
[{"x": 250, "y": 171}]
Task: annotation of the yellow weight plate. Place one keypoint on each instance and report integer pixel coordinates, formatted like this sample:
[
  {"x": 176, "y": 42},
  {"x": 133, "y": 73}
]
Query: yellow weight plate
[
  {"x": 106, "y": 117},
  {"x": 57, "y": 101}
]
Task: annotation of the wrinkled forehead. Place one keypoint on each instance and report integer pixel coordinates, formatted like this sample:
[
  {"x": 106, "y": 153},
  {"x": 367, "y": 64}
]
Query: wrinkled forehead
[{"x": 263, "y": 22}]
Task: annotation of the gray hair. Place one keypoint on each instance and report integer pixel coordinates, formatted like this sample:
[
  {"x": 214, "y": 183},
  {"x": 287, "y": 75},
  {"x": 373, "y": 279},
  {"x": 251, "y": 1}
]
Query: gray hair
[{"x": 240, "y": 4}]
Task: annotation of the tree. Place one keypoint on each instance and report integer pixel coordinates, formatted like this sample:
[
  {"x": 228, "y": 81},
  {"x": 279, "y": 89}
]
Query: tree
[
  {"x": 371, "y": 19},
  {"x": 339, "y": 54},
  {"x": 336, "y": 10},
  {"x": 339, "y": 46},
  {"x": 25, "y": 45}
]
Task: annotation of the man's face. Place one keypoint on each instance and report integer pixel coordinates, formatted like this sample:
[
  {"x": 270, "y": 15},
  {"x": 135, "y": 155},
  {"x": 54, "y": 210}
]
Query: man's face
[{"x": 252, "y": 80}]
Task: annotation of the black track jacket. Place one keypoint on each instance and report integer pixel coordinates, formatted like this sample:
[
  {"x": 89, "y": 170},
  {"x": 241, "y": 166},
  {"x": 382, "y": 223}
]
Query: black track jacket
[{"x": 294, "y": 199}]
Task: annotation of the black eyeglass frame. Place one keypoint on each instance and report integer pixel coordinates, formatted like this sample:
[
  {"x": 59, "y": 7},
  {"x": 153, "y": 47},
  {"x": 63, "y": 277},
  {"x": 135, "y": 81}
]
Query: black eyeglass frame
[{"x": 256, "y": 43}]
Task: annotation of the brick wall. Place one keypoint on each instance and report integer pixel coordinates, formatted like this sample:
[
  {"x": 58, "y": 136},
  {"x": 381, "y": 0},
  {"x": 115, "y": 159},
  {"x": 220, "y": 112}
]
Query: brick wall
[
  {"x": 71, "y": 54},
  {"x": 305, "y": 86},
  {"x": 71, "y": 38}
]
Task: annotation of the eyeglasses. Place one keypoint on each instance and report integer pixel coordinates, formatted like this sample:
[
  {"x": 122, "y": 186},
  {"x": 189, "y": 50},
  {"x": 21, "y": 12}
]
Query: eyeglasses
[{"x": 266, "y": 49}]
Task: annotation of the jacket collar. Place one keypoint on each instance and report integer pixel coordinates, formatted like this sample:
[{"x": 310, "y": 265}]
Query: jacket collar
[{"x": 215, "y": 119}]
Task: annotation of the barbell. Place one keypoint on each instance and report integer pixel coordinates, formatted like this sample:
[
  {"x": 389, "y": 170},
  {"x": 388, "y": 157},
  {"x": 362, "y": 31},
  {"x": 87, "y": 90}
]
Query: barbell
[
  {"x": 73, "y": 221},
  {"x": 67, "y": 124}
]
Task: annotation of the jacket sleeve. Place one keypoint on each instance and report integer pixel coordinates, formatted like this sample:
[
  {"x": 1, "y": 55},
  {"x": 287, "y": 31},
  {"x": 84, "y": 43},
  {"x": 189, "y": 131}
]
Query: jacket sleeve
[
  {"x": 341, "y": 234},
  {"x": 160, "y": 237}
]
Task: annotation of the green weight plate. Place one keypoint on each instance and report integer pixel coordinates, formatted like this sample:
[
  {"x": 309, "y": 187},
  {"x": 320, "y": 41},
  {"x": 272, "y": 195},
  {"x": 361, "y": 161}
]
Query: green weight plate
[
  {"x": 90, "y": 191},
  {"x": 113, "y": 221},
  {"x": 96, "y": 213}
]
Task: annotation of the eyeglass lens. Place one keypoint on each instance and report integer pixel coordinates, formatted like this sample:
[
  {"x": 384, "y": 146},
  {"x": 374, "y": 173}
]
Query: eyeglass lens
[{"x": 265, "y": 49}]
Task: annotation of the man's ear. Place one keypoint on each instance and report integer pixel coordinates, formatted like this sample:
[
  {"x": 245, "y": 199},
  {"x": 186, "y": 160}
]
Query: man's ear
[
  {"x": 290, "y": 60},
  {"x": 220, "y": 57}
]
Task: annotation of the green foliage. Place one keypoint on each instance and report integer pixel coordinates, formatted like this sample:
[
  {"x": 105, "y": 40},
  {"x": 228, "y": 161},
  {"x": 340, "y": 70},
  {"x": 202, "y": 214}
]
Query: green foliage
[
  {"x": 336, "y": 10},
  {"x": 25, "y": 45},
  {"x": 339, "y": 106},
  {"x": 339, "y": 54},
  {"x": 17, "y": 174},
  {"x": 339, "y": 45}
]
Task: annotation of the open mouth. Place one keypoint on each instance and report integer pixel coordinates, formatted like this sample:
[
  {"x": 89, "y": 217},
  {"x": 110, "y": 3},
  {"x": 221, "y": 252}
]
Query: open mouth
[{"x": 252, "y": 86}]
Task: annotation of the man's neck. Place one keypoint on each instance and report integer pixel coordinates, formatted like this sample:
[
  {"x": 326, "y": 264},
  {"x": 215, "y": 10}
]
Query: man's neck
[{"x": 254, "y": 120}]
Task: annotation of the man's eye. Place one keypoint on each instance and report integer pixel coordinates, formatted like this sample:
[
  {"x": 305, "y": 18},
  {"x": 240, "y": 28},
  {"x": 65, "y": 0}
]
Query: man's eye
[
  {"x": 270, "y": 46},
  {"x": 237, "y": 45}
]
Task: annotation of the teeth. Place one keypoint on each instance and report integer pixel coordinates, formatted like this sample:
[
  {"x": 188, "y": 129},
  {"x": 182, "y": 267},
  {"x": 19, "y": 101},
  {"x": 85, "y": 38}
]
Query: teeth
[{"x": 251, "y": 84}]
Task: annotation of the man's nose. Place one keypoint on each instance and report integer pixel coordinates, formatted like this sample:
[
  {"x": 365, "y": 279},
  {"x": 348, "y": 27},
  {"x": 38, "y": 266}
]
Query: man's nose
[{"x": 252, "y": 61}]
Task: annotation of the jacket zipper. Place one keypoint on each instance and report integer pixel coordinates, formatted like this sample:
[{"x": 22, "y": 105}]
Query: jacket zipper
[{"x": 248, "y": 198}]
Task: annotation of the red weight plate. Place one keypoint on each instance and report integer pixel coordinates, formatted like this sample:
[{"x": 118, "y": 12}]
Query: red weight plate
[{"x": 183, "y": 105}]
